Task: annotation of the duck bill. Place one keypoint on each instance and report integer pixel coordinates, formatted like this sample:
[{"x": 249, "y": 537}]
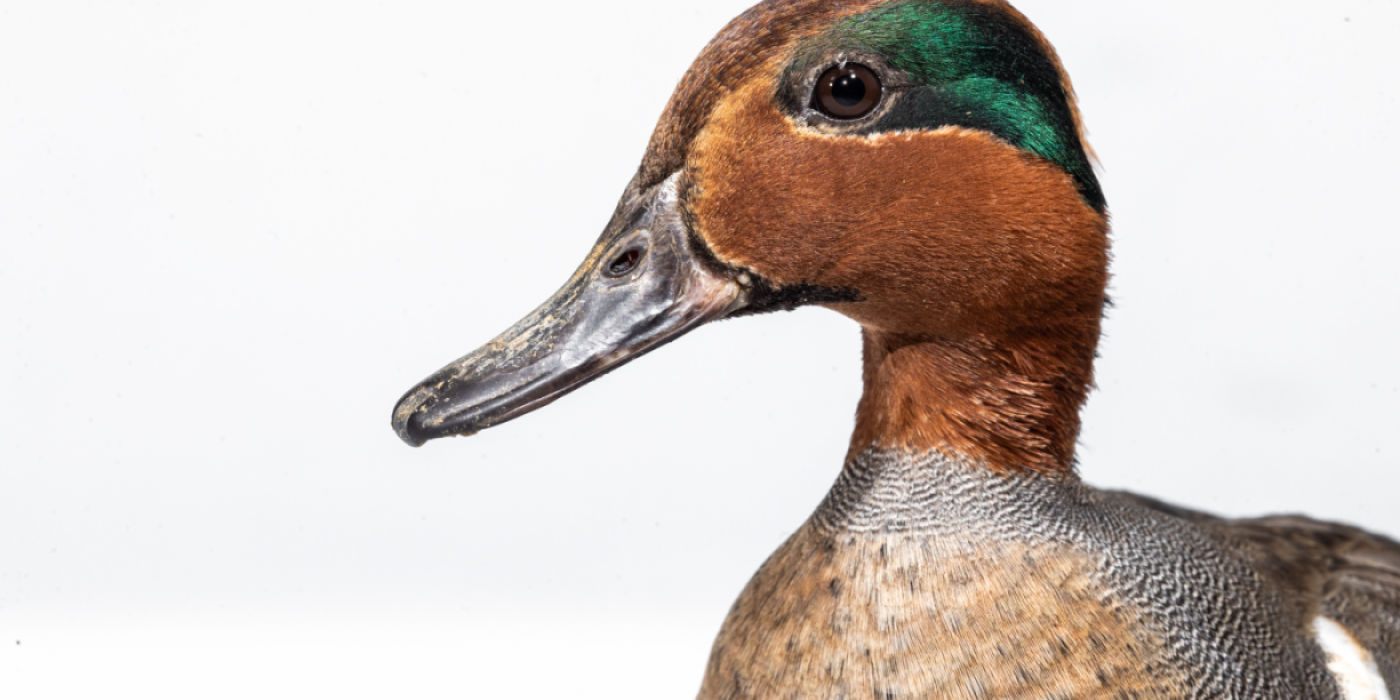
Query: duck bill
[{"x": 641, "y": 287}]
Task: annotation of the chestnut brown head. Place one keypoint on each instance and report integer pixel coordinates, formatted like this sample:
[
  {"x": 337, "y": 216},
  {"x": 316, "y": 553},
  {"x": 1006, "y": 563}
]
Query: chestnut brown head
[{"x": 917, "y": 165}]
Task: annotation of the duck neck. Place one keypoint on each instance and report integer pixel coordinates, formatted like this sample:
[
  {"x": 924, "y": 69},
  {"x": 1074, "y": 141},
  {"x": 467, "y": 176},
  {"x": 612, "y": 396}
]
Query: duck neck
[
  {"x": 891, "y": 491},
  {"x": 1007, "y": 405}
]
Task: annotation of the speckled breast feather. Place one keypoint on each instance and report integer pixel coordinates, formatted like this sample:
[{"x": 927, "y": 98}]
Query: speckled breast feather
[{"x": 921, "y": 577}]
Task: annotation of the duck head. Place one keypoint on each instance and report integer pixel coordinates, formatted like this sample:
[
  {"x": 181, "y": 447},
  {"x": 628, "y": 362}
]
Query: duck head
[{"x": 917, "y": 165}]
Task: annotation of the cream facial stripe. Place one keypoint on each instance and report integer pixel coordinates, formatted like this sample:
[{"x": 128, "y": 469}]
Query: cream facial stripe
[{"x": 1350, "y": 663}]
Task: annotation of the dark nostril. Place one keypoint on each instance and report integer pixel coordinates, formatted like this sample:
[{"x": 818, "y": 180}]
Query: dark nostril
[{"x": 624, "y": 263}]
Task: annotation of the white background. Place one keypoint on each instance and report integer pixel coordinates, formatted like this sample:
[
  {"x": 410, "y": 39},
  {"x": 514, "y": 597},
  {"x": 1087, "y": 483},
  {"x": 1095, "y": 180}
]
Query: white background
[{"x": 232, "y": 234}]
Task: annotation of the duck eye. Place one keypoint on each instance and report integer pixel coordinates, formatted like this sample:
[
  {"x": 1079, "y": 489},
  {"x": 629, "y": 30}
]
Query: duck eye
[
  {"x": 624, "y": 263},
  {"x": 848, "y": 91}
]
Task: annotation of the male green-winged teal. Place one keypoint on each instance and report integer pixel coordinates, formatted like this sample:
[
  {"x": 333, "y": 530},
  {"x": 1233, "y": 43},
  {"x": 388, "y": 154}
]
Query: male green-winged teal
[{"x": 919, "y": 165}]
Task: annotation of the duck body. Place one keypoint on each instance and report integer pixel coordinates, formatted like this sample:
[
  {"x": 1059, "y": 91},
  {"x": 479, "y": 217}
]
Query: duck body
[
  {"x": 919, "y": 166},
  {"x": 919, "y": 577}
]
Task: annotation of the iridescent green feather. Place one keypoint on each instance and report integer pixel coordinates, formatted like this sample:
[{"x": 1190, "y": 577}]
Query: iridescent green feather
[{"x": 975, "y": 67}]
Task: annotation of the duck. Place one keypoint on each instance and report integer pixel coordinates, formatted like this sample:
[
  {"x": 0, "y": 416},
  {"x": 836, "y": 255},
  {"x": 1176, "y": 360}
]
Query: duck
[{"x": 921, "y": 167}]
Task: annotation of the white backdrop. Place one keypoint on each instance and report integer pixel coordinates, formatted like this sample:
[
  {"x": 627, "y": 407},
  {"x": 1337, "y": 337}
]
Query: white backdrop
[{"x": 232, "y": 234}]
